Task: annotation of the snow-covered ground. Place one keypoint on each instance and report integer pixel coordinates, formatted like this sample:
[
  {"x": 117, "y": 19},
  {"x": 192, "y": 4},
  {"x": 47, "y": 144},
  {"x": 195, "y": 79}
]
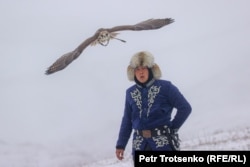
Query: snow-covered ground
[
  {"x": 35, "y": 155},
  {"x": 72, "y": 118},
  {"x": 237, "y": 139}
]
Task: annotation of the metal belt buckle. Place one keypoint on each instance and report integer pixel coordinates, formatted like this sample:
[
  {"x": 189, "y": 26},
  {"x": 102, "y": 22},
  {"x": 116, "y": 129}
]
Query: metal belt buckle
[{"x": 146, "y": 133}]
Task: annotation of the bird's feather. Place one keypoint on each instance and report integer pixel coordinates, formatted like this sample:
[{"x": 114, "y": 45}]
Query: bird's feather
[{"x": 67, "y": 58}]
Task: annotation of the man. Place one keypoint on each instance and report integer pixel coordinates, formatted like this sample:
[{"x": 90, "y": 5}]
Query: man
[{"x": 148, "y": 108}]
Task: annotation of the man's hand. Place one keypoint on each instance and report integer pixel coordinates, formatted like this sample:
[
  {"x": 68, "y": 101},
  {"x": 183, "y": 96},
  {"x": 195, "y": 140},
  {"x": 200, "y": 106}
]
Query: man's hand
[{"x": 119, "y": 153}]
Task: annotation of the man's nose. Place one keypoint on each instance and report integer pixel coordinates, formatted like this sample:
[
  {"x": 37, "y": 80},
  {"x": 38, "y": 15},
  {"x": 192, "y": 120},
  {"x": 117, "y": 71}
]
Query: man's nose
[{"x": 141, "y": 71}]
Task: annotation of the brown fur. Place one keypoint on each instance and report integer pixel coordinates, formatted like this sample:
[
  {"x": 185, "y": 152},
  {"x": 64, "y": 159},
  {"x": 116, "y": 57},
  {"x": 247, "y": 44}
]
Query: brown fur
[{"x": 144, "y": 59}]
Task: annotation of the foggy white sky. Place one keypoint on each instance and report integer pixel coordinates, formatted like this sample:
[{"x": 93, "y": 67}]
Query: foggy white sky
[{"x": 205, "y": 53}]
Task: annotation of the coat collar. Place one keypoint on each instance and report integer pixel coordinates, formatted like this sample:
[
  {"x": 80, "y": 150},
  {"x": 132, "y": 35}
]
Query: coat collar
[{"x": 150, "y": 83}]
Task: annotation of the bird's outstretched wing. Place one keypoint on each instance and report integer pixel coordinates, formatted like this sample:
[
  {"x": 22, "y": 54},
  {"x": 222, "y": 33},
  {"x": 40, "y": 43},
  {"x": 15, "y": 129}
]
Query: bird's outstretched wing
[{"x": 102, "y": 36}]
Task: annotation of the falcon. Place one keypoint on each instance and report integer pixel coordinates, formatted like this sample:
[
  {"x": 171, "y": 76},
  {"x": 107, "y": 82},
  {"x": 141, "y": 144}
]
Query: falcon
[{"x": 102, "y": 36}]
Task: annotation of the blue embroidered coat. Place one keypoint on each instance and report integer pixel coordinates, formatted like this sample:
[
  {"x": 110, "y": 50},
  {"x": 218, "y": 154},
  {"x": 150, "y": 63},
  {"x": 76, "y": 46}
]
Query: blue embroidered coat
[{"x": 151, "y": 107}]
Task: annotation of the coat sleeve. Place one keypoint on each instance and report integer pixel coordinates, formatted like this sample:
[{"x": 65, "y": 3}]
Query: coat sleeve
[
  {"x": 126, "y": 126},
  {"x": 181, "y": 104}
]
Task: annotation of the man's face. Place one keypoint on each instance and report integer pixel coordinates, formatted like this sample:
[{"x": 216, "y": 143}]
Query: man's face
[{"x": 141, "y": 74}]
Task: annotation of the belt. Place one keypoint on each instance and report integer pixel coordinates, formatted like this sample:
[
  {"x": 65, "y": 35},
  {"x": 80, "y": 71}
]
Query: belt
[{"x": 164, "y": 130}]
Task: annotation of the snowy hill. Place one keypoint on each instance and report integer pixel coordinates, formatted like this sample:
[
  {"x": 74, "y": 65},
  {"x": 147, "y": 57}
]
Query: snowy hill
[
  {"x": 32, "y": 155},
  {"x": 72, "y": 118},
  {"x": 237, "y": 139}
]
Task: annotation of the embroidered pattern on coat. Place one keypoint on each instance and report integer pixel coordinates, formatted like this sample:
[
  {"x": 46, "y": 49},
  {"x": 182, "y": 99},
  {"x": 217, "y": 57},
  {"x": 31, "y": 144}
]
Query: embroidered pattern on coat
[
  {"x": 137, "y": 142},
  {"x": 160, "y": 141},
  {"x": 136, "y": 95},
  {"x": 152, "y": 93}
]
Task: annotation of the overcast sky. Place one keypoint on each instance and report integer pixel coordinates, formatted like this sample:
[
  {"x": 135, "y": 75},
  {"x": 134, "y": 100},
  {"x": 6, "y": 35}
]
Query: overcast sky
[{"x": 205, "y": 53}]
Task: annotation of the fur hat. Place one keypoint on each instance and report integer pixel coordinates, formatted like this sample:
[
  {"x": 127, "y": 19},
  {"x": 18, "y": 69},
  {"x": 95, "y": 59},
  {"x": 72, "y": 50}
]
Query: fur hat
[{"x": 144, "y": 59}]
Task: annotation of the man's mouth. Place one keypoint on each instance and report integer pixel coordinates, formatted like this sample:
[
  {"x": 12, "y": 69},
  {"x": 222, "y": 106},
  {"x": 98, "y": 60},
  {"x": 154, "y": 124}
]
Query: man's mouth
[{"x": 142, "y": 77}]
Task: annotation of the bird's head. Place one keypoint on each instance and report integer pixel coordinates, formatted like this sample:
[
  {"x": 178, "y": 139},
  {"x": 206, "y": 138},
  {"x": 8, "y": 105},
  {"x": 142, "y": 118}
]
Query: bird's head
[{"x": 104, "y": 37}]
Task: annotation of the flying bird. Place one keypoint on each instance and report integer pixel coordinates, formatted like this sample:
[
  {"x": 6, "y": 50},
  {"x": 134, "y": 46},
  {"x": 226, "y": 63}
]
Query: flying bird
[{"x": 102, "y": 36}]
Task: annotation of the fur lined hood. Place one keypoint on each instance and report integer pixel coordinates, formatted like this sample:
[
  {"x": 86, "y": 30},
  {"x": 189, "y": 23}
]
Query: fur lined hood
[{"x": 144, "y": 59}]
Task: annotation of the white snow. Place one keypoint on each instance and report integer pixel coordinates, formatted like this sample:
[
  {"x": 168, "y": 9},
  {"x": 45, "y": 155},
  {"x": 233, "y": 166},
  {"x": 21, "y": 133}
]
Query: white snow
[
  {"x": 72, "y": 118},
  {"x": 34, "y": 155}
]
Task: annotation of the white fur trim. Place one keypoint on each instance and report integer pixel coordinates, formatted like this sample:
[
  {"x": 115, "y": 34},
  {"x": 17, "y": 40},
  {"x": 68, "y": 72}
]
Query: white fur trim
[{"x": 144, "y": 59}]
